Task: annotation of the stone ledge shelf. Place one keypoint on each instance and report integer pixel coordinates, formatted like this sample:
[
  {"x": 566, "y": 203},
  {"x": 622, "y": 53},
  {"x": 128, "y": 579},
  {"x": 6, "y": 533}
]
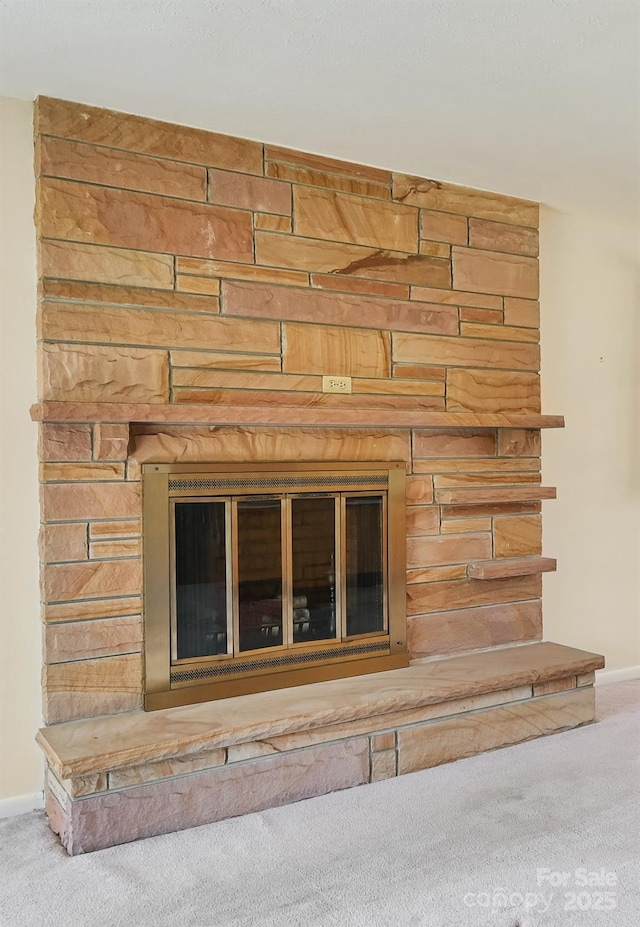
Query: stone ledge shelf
[
  {"x": 123, "y": 777},
  {"x": 223, "y": 414},
  {"x": 488, "y": 494},
  {"x": 505, "y": 569}
]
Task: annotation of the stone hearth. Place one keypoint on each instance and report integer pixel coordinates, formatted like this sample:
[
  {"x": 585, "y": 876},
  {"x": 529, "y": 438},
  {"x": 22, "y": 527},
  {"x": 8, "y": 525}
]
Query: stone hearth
[{"x": 135, "y": 775}]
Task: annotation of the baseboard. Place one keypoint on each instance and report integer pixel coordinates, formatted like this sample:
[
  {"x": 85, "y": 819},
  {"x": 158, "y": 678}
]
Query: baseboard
[
  {"x": 603, "y": 677},
  {"x": 21, "y": 804}
]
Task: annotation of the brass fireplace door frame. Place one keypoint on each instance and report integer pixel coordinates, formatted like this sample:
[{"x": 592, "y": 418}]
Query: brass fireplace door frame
[{"x": 167, "y": 685}]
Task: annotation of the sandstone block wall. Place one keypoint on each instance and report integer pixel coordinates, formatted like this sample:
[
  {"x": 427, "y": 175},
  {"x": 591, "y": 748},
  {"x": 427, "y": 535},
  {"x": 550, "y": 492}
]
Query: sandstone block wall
[{"x": 180, "y": 266}]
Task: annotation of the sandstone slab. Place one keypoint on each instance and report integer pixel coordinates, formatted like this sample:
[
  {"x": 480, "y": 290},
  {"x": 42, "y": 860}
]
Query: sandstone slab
[
  {"x": 460, "y": 525},
  {"x": 324, "y": 178},
  {"x": 474, "y": 628},
  {"x": 515, "y": 442},
  {"x": 134, "y": 296},
  {"x": 229, "y": 188},
  {"x": 58, "y": 543},
  {"x": 471, "y": 390},
  {"x": 454, "y": 443},
  {"x": 91, "y": 580},
  {"x": 345, "y": 284},
  {"x": 76, "y": 261},
  {"x": 189, "y": 444},
  {"x": 114, "y": 548},
  {"x": 423, "y": 598},
  {"x": 77, "y": 161},
  {"x": 525, "y": 312},
  {"x": 430, "y": 294},
  {"x": 318, "y": 256},
  {"x": 66, "y": 471},
  {"x": 478, "y": 329},
  {"x": 422, "y": 520},
  {"x": 419, "y": 490},
  {"x": 440, "y": 549},
  {"x": 110, "y": 442},
  {"x": 489, "y": 316},
  {"x": 498, "y": 494},
  {"x": 466, "y": 201},
  {"x": 123, "y": 528},
  {"x": 90, "y": 688},
  {"x": 478, "y": 465},
  {"x": 324, "y": 350},
  {"x": 485, "y": 477},
  {"x": 67, "y": 502},
  {"x": 500, "y": 236},
  {"x": 202, "y": 286},
  {"x": 419, "y": 371},
  {"x": 87, "y": 639},
  {"x": 214, "y": 795},
  {"x": 64, "y": 442},
  {"x": 493, "y": 272},
  {"x": 337, "y": 309},
  {"x": 322, "y": 163},
  {"x": 464, "y": 352},
  {"x": 105, "y": 374},
  {"x": 148, "y": 327},
  {"x": 108, "y": 216},
  {"x": 92, "y": 609},
  {"x": 166, "y": 769},
  {"x": 555, "y": 685},
  {"x": 187, "y": 267},
  {"x": 320, "y": 213},
  {"x": 271, "y": 222},
  {"x": 443, "y": 226},
  {"x": 150, "y": 136},
  {"x": 383, "y": 765},
  {"x": 386, "y": 741},
  {"x": 444, "y": 741},
  {"x": 222, "y": 360},
  {"x": 518, "y": 536}
]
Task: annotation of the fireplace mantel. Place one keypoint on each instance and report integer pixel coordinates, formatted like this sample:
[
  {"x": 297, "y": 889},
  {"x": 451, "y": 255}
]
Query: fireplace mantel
[{"x": 222, "y": 414}]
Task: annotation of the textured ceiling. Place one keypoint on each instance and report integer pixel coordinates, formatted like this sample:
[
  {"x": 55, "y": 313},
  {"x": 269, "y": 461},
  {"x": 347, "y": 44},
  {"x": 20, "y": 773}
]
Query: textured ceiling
[{"x": 537, "y": 98}]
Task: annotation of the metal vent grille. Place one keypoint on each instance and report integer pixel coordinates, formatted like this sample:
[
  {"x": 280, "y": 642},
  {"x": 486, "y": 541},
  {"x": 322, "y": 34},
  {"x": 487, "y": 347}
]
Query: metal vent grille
[
  {"x": 289, "y": 659},
  {"x": 285, "y": 481}
]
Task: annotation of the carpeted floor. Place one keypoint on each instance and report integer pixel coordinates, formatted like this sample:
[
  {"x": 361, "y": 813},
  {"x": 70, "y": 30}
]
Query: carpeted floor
[{"x": 501, "y": 839}]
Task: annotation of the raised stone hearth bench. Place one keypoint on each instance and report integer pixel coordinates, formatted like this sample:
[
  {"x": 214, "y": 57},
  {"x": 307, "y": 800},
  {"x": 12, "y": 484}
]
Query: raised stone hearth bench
[{"x": 119, "y": 778}]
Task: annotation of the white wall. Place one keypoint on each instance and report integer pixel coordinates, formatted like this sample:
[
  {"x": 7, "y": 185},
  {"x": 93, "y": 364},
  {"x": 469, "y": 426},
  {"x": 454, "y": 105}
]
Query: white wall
[
  {"x": 20, "y": 648},
  {"x": 590, "y": 300}
]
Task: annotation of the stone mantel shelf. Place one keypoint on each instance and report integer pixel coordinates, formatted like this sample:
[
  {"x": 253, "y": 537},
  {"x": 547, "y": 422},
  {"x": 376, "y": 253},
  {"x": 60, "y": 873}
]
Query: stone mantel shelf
[
  {"x": 265, "y": 415},
  {"x": 77, "y": 748},
  {"x": 509, "y": 567}
]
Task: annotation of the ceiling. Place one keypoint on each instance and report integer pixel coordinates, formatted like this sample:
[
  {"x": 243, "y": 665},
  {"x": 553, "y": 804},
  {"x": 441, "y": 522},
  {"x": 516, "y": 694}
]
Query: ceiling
[{"x": 536, "y": 98}]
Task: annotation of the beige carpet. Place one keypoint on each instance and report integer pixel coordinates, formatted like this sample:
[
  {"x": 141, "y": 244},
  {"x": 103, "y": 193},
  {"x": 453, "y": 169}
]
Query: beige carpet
[{"x": 473, "y": 843}]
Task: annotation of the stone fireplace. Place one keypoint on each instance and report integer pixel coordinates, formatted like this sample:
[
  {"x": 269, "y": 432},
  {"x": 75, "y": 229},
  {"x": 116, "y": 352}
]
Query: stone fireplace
[{"x": 199, "y": 294}]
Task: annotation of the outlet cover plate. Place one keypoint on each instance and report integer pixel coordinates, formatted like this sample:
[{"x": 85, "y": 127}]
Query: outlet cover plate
[{"x": 336, "y": 384}]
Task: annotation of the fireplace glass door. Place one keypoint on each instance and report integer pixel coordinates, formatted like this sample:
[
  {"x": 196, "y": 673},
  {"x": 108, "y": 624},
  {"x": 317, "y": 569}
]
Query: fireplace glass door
[
  {"x": 200, "y": 583},
  {"x": 313, "y": 574},
  {"x": 279, "y": 600},
  {"x": 271, "y": 574},
  {"x": 259, "y": 569}
]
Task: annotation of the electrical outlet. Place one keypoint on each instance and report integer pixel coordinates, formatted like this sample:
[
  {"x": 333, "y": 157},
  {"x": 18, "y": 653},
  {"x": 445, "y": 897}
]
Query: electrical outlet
[{"x": 336, "y": 384}]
